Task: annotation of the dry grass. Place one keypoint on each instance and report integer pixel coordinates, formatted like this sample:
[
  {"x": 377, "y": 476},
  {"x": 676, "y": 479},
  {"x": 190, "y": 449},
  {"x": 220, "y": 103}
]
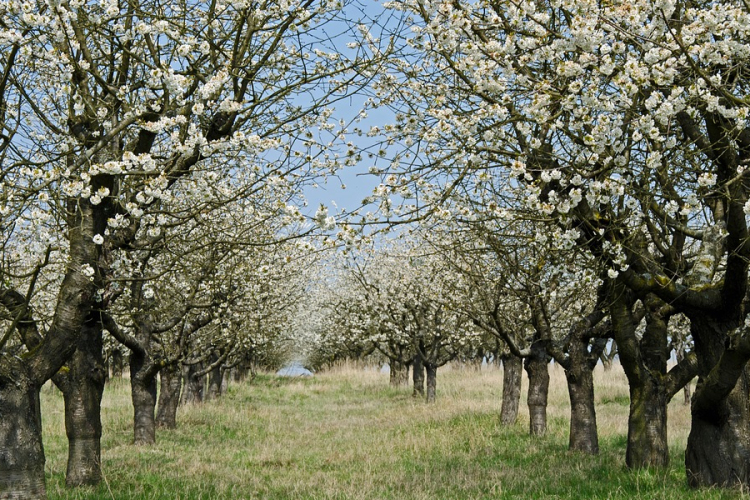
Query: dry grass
[{"x": 346, "y": 435}]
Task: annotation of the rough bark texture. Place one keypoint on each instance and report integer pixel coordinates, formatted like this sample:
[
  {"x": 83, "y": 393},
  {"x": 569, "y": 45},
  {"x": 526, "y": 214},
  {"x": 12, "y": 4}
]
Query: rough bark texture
[
  {"x": 21, "y": 451},
  {"x": 583, "y": 431},
  {"x": 22, "y": 376},
  {"x": 536, "y": 366},
  {"x": 647, "y": 425},
  {"x": 647, "y": 422},
  {"x": 169, "y": 396},
  {"x": 418, "y": 376},
  {"x": 718, "y": 447},
  {"x": 82, "y": 385},
  {"x": 579, "y": 376},
  {"x": 143, "y": 394},
  {"x": 644, "y": 361},
  {"x": 511, "y": 389},
  {"x": 431, "y": 371}
]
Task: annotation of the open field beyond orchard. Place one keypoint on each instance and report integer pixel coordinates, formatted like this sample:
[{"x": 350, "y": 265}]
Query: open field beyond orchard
[{"x": 346, "y": 434}]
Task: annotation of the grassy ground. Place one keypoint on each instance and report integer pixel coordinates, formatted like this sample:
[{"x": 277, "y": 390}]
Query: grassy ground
[{"x": 347, "y": 435}]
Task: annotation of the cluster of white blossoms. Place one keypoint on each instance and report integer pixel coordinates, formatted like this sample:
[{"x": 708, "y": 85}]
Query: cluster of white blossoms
[{"x": 581, "y": 111}]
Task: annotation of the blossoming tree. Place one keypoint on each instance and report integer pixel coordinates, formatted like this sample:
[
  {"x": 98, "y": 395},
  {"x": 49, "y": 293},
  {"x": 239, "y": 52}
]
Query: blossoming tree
[
  {"x": 106, "y": 108},
  {"x": 624, "y": 124}
]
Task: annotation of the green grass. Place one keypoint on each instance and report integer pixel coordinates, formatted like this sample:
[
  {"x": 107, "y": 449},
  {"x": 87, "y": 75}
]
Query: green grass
[{"x": 347, "y": 435}]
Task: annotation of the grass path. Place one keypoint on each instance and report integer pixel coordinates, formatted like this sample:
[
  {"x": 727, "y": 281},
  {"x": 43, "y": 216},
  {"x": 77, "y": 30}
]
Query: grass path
[{"x": 347, "y": 435}]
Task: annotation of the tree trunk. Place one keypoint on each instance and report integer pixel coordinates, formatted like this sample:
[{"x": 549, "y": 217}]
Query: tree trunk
[
  {"x": 239, "y": 373},
  {"x": 647, "y": 425},
  {"x": 143, "y": 394},
  {"x": 579, "y": 375},
  {"x": 718, "y": 447},
  {"x": 82, "y": 386},
  {"x": 21, "y": 377},
  {"x": 536, "y": 367},
  {"x": 418, "y": 376},
  {"x": 169, "y": 396},
  {"x": 215, "y": 377},
  {"x": 192, "y": 388},
  {"x": 117, "y": 363},
  {"x": 645, "y": 364},
  {"x": 431, "y": 371},
  {"x": 21, "y": 451},
  {"x": 399, "y": 373},
  {"x": 511, "y": 389},
  {"x": 225, "y": 377},
  {"x": 680, "y": 355}
]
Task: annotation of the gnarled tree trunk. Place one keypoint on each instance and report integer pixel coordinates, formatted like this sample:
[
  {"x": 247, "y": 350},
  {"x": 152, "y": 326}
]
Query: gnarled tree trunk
[
  {"x": 21, "y": 377},
  {"x": 82, "y": 385},
  {"x": 511, "y": 389},
  {"x": 536, "y": 366},
  {"x": 21, "y": 451},
  {"x": 718, "y": 447},
  {"x": 645, "y": 363}
]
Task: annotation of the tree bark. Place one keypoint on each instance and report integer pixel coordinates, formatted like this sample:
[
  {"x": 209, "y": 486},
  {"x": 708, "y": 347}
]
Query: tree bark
[
  {"x": 399, "y": 373},
  {"x": 143, "y": 394},
  {"x": 418, "y": 376},
  {"x": 21, "y": 451},
  {"x": 579, "y": 375},
  {"x": 644, "y": 361},
  {"x": 215, "y": 377},
  {"x": 511, "y": 389},
  {"x": 169, "y": 396},
  {"x": 192, "y": 386},
  {"x": 647, "y": 425},
  {"x": 718, "y": 447},
  {"x": 536, "y": 366},
  {"x": 21, "y": 377},
  {"x": 82, "y": 385},
  {"x": 431, "y": 371}
]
